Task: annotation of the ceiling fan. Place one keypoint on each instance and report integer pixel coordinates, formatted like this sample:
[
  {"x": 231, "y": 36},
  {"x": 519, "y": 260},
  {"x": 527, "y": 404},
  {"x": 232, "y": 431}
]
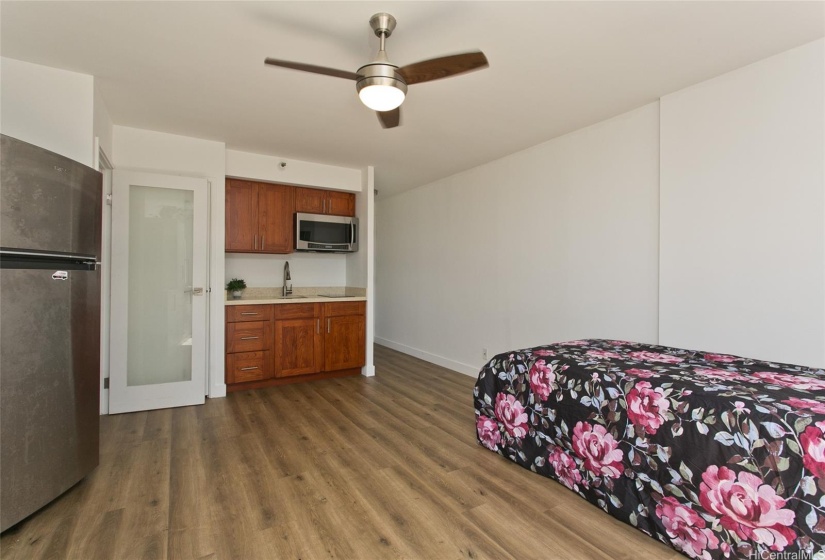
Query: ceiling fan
[{"x": 381, "y": 85}]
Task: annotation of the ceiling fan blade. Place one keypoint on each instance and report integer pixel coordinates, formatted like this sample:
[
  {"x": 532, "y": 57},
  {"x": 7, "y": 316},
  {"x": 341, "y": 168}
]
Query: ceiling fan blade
[
  {"x": 312, "y": 68},
  {"x": 389, "y": 119},
  {"x": 443, "y": 67}
]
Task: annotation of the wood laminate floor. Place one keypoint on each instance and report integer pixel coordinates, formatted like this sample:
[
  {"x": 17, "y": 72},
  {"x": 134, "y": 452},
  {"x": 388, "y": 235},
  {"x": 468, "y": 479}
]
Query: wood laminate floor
[{"x": 355, "y": 468}]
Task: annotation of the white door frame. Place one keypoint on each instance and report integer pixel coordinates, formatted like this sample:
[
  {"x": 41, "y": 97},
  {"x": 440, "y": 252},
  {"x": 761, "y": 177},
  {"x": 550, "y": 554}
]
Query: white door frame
[
  {"x": 183, "y": 393},
  {"x": 104, "y": 165}
]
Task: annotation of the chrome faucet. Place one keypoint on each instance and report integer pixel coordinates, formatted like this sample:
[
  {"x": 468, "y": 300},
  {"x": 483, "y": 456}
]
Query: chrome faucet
[{"x": 287, "y": 280}]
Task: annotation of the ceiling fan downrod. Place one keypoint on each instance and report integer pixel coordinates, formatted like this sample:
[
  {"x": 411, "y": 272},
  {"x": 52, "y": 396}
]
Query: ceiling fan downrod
[{"x": 383, "y": 25}]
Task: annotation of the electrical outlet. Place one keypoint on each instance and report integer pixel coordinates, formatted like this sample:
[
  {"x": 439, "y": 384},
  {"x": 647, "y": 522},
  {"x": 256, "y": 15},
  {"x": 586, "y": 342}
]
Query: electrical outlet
[{"x": 484, "y": 354}]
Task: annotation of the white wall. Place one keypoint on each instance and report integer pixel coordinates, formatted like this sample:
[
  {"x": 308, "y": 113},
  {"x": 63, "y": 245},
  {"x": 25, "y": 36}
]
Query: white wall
[
  {"x": 556, "y": 242},
  {"x": 296, "y": 172},
  {"x": 49, "y": 108},
  {"x": 147, "y": 150},
  {"x": 103, "y": 126},
  {"x": 306, "y": 269},
  {"x": 743, "y": 211}
]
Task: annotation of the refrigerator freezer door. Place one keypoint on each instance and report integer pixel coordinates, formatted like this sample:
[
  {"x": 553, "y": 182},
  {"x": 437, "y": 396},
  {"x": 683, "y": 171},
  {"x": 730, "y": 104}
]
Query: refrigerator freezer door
[
  {"x": 49, "y": 374},
  {"x": 48, "y": 202}
]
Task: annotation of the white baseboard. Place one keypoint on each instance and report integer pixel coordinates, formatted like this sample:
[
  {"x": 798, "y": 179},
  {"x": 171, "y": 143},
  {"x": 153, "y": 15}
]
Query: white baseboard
[
  {"x": 460, "y": 367},
  {"x": 368, "y": 371}
]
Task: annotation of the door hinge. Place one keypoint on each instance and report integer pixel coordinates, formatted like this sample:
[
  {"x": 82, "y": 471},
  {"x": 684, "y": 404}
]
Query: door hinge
[
  {"x": 105, "y": 382},
  {"x": 109, "y": 199}
]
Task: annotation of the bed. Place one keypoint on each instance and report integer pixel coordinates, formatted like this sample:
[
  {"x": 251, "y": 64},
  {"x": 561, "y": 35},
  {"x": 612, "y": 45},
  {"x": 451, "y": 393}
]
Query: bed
[{"x": 716, "y": 455}]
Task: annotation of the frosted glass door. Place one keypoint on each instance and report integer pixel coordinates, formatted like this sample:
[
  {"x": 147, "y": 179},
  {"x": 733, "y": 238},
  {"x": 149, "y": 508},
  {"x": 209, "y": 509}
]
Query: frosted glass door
[
  {"x": 159, "y": 345},
  {"x": 158, "y": 291}
]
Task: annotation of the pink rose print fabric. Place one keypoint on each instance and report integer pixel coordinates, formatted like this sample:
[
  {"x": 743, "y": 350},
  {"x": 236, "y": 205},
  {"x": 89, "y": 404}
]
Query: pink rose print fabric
[
  {"x": 542, "y": 378},
  {"x": 597, "y": 448},
  {"x": 718, "y": 456},
  {"x": 747, "y": 507},
  {"x": 511, "y": 413}
]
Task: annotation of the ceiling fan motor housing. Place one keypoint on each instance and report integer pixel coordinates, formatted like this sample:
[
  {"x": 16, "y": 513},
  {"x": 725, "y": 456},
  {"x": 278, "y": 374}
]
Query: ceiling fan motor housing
[{"x": 380, "y": 74}]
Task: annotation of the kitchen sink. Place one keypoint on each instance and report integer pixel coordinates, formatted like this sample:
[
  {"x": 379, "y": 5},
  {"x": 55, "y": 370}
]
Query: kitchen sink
[{"x": 291, "y": 297}]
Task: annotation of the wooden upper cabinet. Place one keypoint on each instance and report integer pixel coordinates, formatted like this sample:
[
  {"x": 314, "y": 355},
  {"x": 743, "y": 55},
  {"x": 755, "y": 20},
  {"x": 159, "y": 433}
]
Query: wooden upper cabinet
[
  {"x": 241, "y": 215},
  {"x": 275, "y": 204},
  {"x": 259, "y": 217},
  {"x": 341, "y": 204},
  {"x": 318, "y": 201},
  {"x": 311, "y": 201}
]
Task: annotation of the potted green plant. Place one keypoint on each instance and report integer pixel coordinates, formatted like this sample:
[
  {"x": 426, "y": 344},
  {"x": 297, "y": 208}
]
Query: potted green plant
[{"x": 236, "y": 285}]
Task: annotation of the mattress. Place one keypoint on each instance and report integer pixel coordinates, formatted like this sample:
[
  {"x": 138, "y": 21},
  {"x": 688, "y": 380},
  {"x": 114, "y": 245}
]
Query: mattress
[{"x": 716, "y": 455}]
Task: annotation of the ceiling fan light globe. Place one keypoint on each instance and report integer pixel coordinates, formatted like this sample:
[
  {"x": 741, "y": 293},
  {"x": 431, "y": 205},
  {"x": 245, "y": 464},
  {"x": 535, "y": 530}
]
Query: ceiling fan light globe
[{"x": 381, "y": 97}]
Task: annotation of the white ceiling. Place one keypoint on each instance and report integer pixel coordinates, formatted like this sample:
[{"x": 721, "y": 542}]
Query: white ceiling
[{"x": 196, "y": 68}]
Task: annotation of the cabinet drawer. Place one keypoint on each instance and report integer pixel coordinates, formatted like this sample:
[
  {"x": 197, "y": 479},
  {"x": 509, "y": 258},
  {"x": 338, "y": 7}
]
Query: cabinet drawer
[
  {"x": 236, "y": 313},
  {"x": 248, "y": 336},
  {"x": 249, "y": 366},
  {"x": 296, "y": 310},
  {"x": 340, "y": 308}
]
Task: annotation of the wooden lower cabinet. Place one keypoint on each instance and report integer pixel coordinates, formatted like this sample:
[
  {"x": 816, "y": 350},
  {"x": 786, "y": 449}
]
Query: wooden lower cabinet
[
  {"x": 291, "y": 342},
  {"x": 299, "y": 347},
  {"x": 248, "y": 344},
  {"x": 299, "y": 344},
  {"x": 345, "y": 342}
]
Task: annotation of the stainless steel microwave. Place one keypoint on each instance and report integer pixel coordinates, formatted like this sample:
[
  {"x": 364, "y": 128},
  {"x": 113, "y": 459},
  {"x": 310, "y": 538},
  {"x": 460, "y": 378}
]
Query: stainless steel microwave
[{"x": 332, "y": 234}]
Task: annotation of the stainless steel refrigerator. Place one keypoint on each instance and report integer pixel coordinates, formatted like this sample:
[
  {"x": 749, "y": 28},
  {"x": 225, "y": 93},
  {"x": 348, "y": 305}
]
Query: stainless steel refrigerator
[{"x": 50, "y": 223}]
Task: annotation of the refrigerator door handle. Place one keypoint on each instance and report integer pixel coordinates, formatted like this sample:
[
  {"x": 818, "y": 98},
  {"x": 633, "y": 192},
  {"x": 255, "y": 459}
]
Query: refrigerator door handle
[{"x": 44, "y": 255}]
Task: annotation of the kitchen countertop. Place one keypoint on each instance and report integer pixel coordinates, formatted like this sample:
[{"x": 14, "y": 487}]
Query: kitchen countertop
[
  {"x": 304, "y": 299},
  {"x": 257, "y": 296}
]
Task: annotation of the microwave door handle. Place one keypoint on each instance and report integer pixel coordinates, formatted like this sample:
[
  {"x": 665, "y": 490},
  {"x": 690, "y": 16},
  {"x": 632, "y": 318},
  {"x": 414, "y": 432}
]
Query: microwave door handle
[{"x": 351, "y": 234}]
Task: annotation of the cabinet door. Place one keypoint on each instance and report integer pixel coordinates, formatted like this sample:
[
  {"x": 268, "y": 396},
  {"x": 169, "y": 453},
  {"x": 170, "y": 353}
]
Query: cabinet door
[
  {"x": 275, "y": 204},
  {"x": 298, "y": 347},
  {"x": 345, "y": 342},
  {"x": 312, "y": 201},
  {"x": 340, "y": 203},
  {"x": 241, "y": 216}
]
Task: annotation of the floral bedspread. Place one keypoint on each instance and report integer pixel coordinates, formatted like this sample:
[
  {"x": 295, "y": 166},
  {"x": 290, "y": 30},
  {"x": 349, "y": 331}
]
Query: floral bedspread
[{"x": 718, "y": 456}]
